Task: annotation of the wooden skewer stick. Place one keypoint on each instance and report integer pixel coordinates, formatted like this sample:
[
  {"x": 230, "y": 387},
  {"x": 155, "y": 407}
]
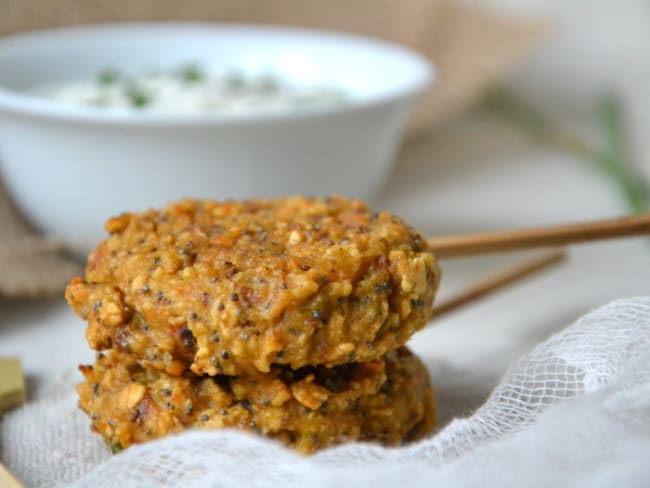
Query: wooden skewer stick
[
  {"x": 499, "y": 281},
  {"x": 511, "y": 240}
]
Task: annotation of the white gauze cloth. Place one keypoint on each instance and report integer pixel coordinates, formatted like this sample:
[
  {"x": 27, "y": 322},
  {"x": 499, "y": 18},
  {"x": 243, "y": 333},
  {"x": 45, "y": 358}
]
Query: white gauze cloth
[{"x": 575, "y": 411}]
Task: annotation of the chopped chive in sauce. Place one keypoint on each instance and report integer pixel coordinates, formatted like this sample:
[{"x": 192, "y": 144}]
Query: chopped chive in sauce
[
  {"x": 267, "y": 84},
  {"x": 191, "y": 73},
  {"x": 137, "y": 97},
  {"x": 235, "y": 80},
  {"x": 192, "y": 87},
  {"x": 107, "y": 77}
]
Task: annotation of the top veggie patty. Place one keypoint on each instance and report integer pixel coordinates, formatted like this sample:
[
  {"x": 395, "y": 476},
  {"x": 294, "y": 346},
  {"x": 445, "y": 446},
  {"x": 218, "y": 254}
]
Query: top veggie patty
[{"x": 233, "y": 287}]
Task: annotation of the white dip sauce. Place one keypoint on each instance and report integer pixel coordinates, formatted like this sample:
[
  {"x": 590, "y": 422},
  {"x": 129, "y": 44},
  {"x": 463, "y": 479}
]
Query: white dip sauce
[{"x": 190, "y": 89}]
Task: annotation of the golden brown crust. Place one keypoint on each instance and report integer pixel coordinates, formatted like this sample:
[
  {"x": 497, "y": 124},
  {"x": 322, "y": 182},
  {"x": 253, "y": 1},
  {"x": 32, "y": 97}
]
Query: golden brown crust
[
  {"x": 388, "y": 401},
  {"x": 234, "y": 287}
]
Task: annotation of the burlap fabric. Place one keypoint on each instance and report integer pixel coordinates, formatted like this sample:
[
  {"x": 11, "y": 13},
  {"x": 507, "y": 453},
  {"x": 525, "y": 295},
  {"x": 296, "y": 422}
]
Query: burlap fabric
[
  {"x": 29, "y": 264},
  {"x": 471, "y": 49}
]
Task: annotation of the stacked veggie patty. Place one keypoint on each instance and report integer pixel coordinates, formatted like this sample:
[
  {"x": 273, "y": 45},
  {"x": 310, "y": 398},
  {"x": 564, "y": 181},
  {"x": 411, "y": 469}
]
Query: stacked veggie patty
[{"x": 285, "y": 317}]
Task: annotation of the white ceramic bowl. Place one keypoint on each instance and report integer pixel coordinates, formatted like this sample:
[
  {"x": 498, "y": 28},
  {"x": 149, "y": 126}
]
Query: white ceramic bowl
[{"x": 70, "y": 167}]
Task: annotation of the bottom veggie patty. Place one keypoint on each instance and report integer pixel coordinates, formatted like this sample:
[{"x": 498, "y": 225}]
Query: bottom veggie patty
[{"x": 389, "y": 400}]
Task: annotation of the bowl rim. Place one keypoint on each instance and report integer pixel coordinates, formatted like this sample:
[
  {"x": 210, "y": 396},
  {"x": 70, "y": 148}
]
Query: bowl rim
[{"x": 20, "y": 103}]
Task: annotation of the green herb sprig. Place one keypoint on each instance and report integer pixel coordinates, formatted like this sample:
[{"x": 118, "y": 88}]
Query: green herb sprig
[{"x": 611, "y": 158}]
